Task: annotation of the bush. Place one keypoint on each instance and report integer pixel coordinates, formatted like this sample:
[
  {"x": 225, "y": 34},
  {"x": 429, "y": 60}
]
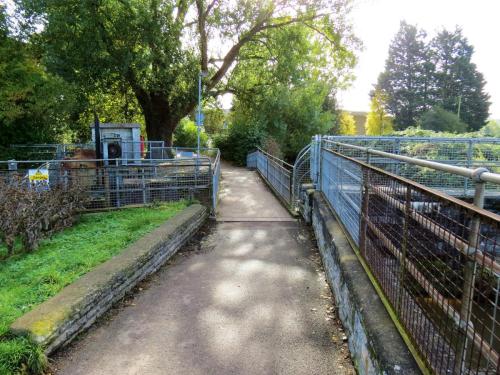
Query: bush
[
  {"x": 186, "y": 135},
  {"x": 29, "y": 213},
  {"x": 438, "y": 119},
  {"x": 238, "y": 142}
]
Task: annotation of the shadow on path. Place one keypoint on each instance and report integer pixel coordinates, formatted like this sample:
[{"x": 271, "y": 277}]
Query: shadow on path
[{"x": 249, "y": 298}]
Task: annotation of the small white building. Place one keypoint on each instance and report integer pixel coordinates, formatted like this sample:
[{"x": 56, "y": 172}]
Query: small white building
[{"x": 120, "y": 141}]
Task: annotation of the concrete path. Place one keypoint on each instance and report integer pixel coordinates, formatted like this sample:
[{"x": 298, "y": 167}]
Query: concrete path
[{"x": 249, "y": 299}]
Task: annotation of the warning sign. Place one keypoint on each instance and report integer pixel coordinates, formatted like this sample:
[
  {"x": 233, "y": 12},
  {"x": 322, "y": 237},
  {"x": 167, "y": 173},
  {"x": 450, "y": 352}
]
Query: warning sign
[{"x": 38, "y": 176}]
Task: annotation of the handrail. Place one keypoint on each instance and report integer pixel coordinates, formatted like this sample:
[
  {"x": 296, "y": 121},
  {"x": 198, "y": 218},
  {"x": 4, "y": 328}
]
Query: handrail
[
  {"x": 400, "y": 138},
  {"x": 478, "y": 174},
  {"x": 275, "y": 158}
]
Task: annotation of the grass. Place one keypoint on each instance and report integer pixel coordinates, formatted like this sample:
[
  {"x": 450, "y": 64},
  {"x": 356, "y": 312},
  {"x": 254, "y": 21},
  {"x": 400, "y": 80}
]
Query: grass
[{"x": 28, "y": 279}]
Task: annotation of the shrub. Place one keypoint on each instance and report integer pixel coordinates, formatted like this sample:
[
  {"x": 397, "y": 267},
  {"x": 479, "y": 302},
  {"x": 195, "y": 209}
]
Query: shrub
[
  {"x": 29, "y": 213},
  {"x": 438, "y": 119},
  {"x": 186, "y": 135},
  {"x": 238, "y": 142}
]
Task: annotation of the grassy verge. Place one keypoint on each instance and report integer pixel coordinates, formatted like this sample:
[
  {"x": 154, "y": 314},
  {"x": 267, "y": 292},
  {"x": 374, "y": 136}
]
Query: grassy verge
[{"x": 26, "y": 280}]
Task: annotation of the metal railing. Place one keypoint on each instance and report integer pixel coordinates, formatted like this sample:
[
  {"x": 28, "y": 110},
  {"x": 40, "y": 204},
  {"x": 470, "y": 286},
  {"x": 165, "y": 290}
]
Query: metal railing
[
  {"x": 276, "y": 172},
  {"x": 301, "y": 175},
  {"x": 112, "y": 184},
  {"x": 216, "y": 175},
  {"x": 462, "y": 152},
  {"x": 434, "y": 256}
]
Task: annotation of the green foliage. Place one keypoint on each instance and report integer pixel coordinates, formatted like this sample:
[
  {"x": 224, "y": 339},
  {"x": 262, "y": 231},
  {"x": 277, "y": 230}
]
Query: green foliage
[
  {"x": 491, "y": 129},
  {"x": 35, "y": 106},
  {"x": 347, "y": 124},
  {"x": 407, "y": 76},
  {"x": 460, "y": 87},
  {"x": 290, "y": 99},
  {"x": 154, "y": 49},
  {"x": 21, "y": 355},
  {"x": 238, "y": 141},
  {"x": 26, "y": 280},
  {"x": 186, "y": 135},
  {"x": 215, "y": 118},
  {"x": 419, "y": 76},
  {"x": 438, "y": 119},
  {"x": 377, "y": 121}
]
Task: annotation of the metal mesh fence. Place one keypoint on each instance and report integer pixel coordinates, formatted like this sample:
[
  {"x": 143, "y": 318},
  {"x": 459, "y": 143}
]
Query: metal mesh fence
[
  {"x": 216, "y": 177},
  {"x": 277, "y": 173},
  {"x": 111, "y": 184},
  {"x": 434, "y": 257},
  {"x": 301, "y": 174},
  {"x": 464, "y": 152}
]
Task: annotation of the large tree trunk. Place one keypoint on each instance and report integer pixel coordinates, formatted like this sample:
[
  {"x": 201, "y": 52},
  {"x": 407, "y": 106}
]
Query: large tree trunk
[{"x": 160, "y": 121}]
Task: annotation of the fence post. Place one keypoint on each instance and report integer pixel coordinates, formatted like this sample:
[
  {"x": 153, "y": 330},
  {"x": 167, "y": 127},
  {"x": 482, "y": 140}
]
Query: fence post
[
  {"x": 469, "y": 275},
  {"x": 404, "y": 249},
  {"x": 469, "y": 164},
  {"x": 364, "y": 211},
  {"x": 317, "y": 162}
]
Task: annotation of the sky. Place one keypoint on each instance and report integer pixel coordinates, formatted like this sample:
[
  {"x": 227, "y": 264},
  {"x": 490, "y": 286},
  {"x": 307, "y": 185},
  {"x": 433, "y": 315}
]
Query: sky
[{"x": 376, "y": 22}]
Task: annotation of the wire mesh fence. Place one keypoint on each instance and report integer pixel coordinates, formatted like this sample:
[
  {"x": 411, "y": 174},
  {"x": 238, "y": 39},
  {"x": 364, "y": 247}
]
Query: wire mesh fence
[
  {"x": 435, "y": 258},
  {"x": 301, "y": 175},
  {"x": 113, "y": 184},
  {"x": 276, "y": 172},
  {"x": 465, "y": 152},
  {"x": 216, "y": 177}
]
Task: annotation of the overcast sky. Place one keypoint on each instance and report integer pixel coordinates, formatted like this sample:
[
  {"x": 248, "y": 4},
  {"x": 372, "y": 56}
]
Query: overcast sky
[{"x": 377, "y": 21}]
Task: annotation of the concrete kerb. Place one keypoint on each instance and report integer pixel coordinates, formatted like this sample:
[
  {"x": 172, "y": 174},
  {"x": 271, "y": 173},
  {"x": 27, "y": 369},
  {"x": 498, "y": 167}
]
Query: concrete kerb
[
  {"x": 54, "y": 323},
  {"x": 375, "y": 344}
]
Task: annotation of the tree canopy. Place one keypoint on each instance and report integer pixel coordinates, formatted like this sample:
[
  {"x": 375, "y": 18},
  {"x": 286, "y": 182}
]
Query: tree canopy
[
  {"x": 420, "y": 75},
  {"x": 378, "y": 122},
  {"x": 157, "y": 48},
  {"x": 35, "y": 106}
]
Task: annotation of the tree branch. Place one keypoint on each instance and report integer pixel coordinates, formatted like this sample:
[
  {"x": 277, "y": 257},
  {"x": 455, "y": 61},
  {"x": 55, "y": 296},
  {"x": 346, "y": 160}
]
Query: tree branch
[
  {"x": 235, "y": 49},
  {"x": 203, "y": 35}
]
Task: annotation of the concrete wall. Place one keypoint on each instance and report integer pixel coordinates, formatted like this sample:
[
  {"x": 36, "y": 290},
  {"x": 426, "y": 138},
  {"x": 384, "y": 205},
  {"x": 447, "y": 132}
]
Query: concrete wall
[
  {"x": 57, "y": 321},
  {"x": 375, "y": 344}
]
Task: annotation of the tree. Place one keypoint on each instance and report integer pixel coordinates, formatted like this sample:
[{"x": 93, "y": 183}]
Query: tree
[
  {"x": 347, "y": 124},
  {"x": 35, "y": 106},
  {"x": 460, "y": 85},
  {"x": 215, "y": 118},
  {"x": 286, "y": 100},
  {"x": 440, "y": 120},
  {"x": 407, "y": 79},
  {"x": 491, "y": 129},
  {"x": 378, "y": 122},
  {"x": 158, "y": 47}
]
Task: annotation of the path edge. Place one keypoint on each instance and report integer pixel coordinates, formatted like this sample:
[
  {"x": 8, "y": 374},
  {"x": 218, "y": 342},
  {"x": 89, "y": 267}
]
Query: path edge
[
  {"x": 57, "y": 321},
  {"x": 375, "y": 344}
]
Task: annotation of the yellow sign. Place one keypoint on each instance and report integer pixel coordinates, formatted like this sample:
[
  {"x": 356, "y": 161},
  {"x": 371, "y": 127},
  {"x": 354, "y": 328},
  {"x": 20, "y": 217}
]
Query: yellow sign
[{"x": 38, "y": 175}]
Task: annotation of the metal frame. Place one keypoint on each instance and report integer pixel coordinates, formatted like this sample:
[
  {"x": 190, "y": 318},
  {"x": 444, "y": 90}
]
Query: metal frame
[
  {"x": 421, "y": 243},
  {"x": 276, "y": 172}
]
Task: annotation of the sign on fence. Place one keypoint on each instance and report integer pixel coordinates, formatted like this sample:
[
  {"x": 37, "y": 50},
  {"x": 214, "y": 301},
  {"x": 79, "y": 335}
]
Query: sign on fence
[{"x": 39, "y": 177}]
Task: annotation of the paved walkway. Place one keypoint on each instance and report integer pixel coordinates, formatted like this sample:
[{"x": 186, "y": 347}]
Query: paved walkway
[{"x": 249, "y": 299}]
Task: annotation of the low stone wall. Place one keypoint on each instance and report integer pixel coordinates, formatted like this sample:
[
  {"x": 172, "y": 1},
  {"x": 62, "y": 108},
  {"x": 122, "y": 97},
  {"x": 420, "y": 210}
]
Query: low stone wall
[
  {"x": 57, "y": 321},
  {"x": 375, "y": 344}
]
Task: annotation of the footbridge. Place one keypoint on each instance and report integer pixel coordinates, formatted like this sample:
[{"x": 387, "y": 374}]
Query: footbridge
[
  {"x": 412, "y": 211},
  {"x": 400, "y": 234}
]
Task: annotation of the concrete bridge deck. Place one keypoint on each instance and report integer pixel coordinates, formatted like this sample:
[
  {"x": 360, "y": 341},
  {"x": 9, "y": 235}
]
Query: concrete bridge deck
[{"x": 250, "y": 298}]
